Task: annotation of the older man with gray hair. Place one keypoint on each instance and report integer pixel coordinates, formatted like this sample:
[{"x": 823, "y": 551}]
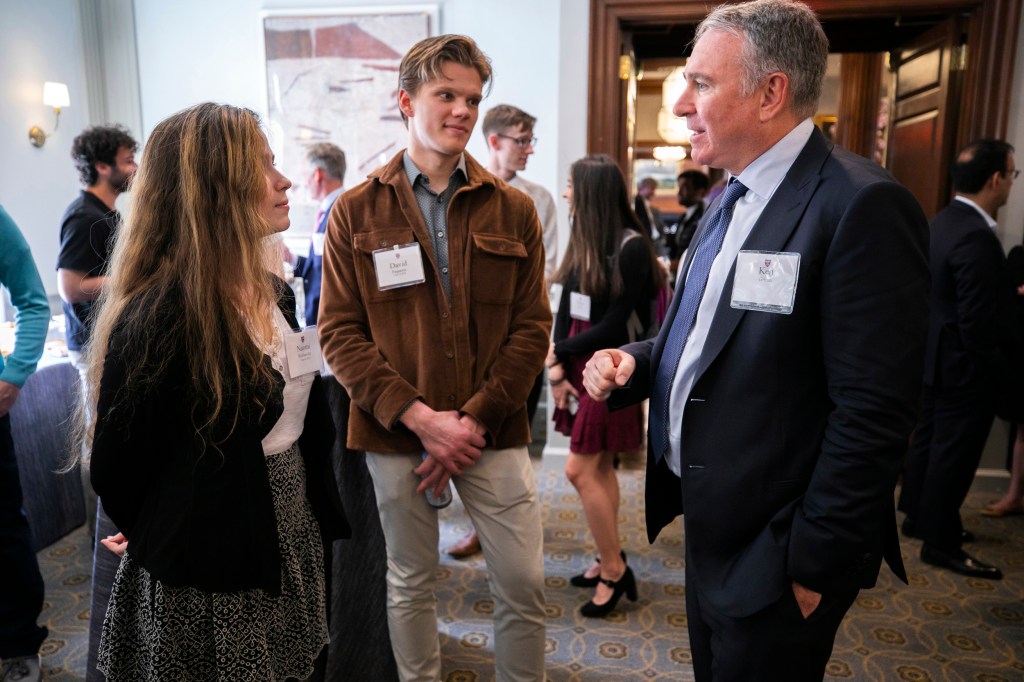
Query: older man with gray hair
[{"x": 785, "y": 379}]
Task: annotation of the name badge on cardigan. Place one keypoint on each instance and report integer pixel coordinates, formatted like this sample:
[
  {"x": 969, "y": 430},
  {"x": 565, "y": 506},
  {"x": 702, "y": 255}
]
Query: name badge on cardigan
[
  {"x": 579, "y": 306},
  {"x": 401, "y": 266},
  {"x": 765, "y": 281},
  {"x": 303, "y": 350}
]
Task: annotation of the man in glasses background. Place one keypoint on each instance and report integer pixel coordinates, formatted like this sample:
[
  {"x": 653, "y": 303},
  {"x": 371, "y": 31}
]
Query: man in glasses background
[
  {"x": 971, "y": 344},
  {"x": 510, "y": 143}
]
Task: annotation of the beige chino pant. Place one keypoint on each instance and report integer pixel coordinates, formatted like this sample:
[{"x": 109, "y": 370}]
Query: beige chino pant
[{"x": 500, "y": 495}]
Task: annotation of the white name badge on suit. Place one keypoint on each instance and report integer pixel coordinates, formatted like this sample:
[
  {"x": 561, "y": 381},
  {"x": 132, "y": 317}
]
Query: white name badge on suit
[
  {"x": 303, "y": 351},
  {"x": 765, "y": 281},
  {"x": 400, "y": 266}
]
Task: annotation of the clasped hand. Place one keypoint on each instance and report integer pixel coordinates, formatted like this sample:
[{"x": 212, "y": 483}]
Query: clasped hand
[{"x": 452, "y": 442}]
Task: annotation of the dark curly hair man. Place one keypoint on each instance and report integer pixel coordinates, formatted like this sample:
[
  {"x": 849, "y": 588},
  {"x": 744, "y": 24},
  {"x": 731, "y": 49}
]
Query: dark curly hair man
[
  {"x": 99, "y": 144},
  {"x": 105, "y": 159}
]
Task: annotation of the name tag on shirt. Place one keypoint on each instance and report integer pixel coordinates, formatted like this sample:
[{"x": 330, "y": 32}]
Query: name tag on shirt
[
  {"x": 766, "y": 281},
  {"x": 318, "y": 244},
  {"x": 579, "y": 306},
  {"x": 401, "y": 266},
  {"x": 303, "y": 350}
]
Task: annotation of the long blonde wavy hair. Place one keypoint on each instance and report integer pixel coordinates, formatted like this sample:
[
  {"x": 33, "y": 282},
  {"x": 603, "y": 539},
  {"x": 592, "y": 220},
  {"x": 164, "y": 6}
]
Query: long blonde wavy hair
[{"x": 195, "y": 239}]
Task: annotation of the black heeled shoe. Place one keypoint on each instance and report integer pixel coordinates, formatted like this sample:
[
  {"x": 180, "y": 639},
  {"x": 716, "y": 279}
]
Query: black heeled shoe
[
  {"x": 626, "y": 585},
  {"x": 582, "y": 580}
]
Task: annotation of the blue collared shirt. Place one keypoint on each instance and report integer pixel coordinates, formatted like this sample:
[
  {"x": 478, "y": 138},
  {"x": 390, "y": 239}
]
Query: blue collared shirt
[{"x": 434, "y": 208}]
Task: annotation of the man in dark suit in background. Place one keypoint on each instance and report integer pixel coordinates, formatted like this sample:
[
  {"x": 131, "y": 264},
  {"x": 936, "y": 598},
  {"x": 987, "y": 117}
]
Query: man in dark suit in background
[
  {"x": 784, "y": 382},
  {"x": 325, "y": 184},
  {"x": 971, "y": 339},
  {"x": 693, "y": 187}
]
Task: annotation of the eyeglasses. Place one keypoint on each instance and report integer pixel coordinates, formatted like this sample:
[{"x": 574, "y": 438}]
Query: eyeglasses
[{"x": 521, "y": 142}]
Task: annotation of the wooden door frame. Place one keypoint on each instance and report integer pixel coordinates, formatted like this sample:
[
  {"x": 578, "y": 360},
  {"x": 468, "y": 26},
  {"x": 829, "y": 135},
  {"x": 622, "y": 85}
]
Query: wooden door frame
[{"x": 988, "y": 80}]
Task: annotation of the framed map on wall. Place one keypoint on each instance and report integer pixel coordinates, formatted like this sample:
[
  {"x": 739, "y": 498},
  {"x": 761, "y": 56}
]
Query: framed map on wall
[{"x": 332, "y": 76}]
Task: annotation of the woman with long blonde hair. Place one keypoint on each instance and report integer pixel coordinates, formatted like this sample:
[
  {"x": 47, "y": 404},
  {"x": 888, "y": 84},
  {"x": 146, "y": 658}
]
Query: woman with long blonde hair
[
  {"x": 204, "y": 428},
  {"x": 610, "y": 280}
]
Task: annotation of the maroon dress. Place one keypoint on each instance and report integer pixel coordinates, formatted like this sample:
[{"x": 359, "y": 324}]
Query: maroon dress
[{"x": 593, "y": 429}]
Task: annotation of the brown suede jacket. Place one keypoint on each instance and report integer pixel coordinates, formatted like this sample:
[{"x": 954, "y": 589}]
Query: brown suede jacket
[{"x": 480, "y": 354}]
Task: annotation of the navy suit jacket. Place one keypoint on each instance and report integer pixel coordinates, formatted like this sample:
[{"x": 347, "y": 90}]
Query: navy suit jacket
[
  {"x": 796, "y": 425},
  {"x": 972, "y": 335},
  {"x": 310, "y": 268}
]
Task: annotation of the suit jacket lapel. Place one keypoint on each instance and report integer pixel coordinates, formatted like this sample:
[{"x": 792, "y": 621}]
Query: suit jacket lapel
[{"x": 770, "y": 233}]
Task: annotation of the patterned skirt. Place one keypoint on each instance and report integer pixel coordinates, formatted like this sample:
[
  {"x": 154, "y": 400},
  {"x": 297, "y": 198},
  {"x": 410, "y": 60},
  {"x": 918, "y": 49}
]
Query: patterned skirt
[{"x": 154, "y": 631}]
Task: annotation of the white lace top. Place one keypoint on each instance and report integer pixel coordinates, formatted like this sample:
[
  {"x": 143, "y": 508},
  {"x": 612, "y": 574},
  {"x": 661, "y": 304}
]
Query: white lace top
[{"x": 296, "y": 394}]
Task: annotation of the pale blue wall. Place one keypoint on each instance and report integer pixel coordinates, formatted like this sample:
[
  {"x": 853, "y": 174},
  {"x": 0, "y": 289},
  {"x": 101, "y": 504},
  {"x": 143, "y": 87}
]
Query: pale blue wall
[
  {"x": 39, "y": 41},
  {"x": 530, "y": 45}
]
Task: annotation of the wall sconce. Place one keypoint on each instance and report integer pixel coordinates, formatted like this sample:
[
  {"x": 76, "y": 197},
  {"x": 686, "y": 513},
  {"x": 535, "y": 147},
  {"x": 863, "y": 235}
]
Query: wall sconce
[{"x": 54, "y": 95}]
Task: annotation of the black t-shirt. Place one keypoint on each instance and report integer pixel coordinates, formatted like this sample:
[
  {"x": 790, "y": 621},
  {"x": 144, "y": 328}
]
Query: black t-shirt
[{"x": 86, "y": 237}]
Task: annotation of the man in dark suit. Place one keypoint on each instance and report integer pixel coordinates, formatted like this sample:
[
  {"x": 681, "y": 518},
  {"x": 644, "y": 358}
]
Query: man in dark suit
[
  {"x": 784, "y": 382},
  {"x": 971, "y": 338},
  {"x": 325, "y": 183},
  {"x": 693, "y": 187}
]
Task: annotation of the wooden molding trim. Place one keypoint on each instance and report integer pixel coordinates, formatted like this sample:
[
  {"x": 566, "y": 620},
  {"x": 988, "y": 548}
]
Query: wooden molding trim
[
  {"x": 992, "y": 35},
  {"x": 992, "y": 39},
  {"x": 858, "y": 102}
]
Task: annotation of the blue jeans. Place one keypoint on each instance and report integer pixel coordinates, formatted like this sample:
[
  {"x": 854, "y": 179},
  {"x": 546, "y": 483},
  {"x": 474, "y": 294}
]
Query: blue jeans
[{"x": 21, "y": 597}]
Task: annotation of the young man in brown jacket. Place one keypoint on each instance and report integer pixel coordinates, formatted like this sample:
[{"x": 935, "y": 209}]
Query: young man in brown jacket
[{"x": 434, "y": 317}]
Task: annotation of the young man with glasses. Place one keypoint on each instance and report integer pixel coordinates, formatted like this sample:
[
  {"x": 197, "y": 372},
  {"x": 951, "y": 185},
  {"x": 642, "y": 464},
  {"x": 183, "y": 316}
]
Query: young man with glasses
[{"x": 510, "y": 142}]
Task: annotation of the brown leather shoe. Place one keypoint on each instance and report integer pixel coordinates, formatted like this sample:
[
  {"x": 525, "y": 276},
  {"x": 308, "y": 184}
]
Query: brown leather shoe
[{"x": 465, "y": 547}]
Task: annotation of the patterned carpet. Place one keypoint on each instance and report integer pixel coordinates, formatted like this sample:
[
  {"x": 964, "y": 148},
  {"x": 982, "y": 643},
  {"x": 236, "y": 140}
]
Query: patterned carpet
[{"x": 942, "y": 627}]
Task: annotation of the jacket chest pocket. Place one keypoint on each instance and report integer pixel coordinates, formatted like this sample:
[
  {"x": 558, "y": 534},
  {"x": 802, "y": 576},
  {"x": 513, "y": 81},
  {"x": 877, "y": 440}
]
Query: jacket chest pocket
[
  {"x": 495, "y": 267},
  {"x": 364, "y": 244}
]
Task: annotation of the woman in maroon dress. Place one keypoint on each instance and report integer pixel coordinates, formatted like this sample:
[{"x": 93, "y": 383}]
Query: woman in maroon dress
[{"x": 610, "y": 280}]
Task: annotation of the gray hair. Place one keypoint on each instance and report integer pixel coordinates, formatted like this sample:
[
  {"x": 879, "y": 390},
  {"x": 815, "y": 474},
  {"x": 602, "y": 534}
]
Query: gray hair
[
  {"x": 779, "y": 35},
  {"x": 329, "y": 158}
]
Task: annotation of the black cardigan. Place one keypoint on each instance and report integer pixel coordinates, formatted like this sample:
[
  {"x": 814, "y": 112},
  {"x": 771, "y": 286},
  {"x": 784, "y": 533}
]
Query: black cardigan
[
  {"x": 609, "y": 318},
  {"x": 206, "y": 522}
]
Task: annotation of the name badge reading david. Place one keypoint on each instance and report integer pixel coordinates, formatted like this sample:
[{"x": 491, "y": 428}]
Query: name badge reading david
[
  {"x": 401, "y": 266},
  {"x": 303, "y": 349},
  {"x": 765, "y": 281}
]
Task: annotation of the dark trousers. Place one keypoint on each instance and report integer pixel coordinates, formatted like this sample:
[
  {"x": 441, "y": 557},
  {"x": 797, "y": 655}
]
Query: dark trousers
[
  {"x": 21, "y": 584},
  {"x": 943, "y": 458},
  {"x": 534, "y": 397},
  {"x": 776, "y": 643}
]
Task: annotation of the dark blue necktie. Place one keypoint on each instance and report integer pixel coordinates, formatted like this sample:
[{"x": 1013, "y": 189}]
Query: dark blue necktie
[{"x": 705, "y": 251}]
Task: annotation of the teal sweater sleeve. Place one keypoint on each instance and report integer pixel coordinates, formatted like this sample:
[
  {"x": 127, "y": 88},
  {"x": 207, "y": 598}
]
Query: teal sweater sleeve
[{"x": 19, "y": 275}]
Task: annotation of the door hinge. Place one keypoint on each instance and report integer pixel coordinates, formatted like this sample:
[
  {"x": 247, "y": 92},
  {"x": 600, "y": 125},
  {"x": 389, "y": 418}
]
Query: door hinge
[{"x": 625, "y": 67}]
